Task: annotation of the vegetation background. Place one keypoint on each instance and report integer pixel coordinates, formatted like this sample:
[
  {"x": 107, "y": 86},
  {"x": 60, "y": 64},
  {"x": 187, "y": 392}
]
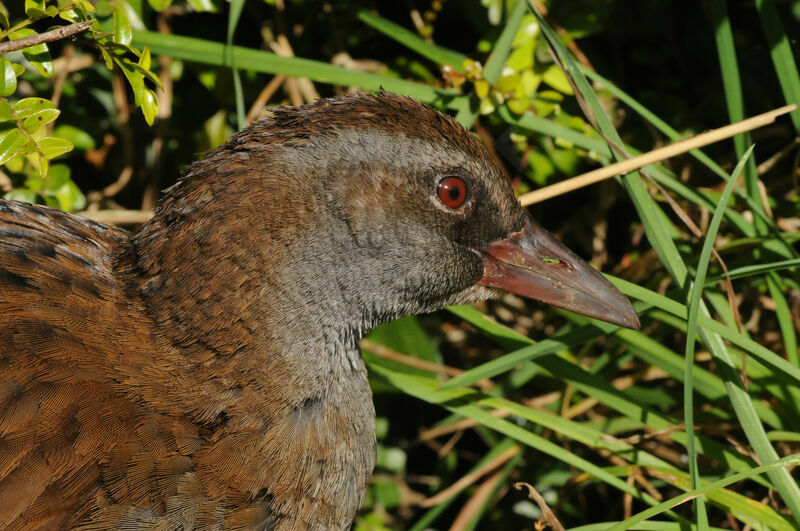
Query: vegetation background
[{"x": 608, "y": 425}]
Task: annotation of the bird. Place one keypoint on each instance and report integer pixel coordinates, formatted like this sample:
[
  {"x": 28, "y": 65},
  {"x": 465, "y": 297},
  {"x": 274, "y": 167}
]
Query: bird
[{"x": 204, "y": 371}]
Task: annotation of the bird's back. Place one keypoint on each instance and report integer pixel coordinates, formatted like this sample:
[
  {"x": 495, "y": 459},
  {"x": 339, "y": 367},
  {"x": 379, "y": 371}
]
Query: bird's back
[{"x": 81, "y": 440}]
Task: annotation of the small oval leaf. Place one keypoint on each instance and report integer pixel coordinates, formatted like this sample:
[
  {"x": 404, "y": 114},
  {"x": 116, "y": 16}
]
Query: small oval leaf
[
  {"x": 38, "y": 55},
  {"x": 149, "y": 106},
  {"x": 30, "y": 106},
  {"x": 11, "y": 144},
  {"x": 52, "y": 147},
  {"x": 8, "y": 78},
  {"x": 38, "y": 119},
  {"x": 35, "y": 9},
  {"x": 6, "y": 111},
  {"x": 122, "y": 27},
  {"x": 21, "y": 194}
]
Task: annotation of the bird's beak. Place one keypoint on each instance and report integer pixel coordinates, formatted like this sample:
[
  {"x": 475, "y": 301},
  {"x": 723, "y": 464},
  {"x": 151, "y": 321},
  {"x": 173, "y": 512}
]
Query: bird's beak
[{"x": 534, "y": 264}]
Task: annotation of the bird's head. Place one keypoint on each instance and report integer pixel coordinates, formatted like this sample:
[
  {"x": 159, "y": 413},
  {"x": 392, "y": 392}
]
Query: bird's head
[{"x": 377, "y": 204}]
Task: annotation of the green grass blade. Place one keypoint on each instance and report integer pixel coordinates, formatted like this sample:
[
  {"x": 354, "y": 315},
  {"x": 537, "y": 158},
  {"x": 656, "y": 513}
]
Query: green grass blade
[
  {"x": 780, "y": 464},
  {"x": 437, "y": 54},
  {"x": 433, "y": 513},
  {"x": 233, "y": 20},
  {"x": 782, "y": 56},
  {"x": 732, "y": 216},
  {"x": 659, "y": 237},
  {"x": 454, "y": 400},
  {"x": 594, "y": 386},
  {"x": 756, "y": 269},
  {"x": 213, "y": 53},
  {"x": 790, "y": 83},
  {"x": 783, "y": 369},
  {"x": 694, "y": 308},
  {"x": 651, "y": 525},
  {"x": 784, "y": 314}
]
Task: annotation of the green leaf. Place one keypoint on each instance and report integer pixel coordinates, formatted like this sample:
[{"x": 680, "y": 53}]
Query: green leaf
[
  {"x": 57, "y": 176},
  {"x": 109, "y": 60},
  {"x": 8, "y": 78},
  {"x": 42, "y": 164},
  {"x": 149, "y": 104},
  {"x": 80, "y": 138},
  {"x": 69, "y": 196},
  {"x": 694, "y": 310},
  {"x": 52, "y": 147},
  {"x": 4, "y": 21},
  {"x": 147, "y": 73},
  {"x": 38, "y": 55},
  {"x": 122, "y": 26},
  {"x": 21, "y": 194},
  {"x": 135, "y": 78},
  {"x": 159, "y": 5},
  {"x": 11, "y": 143},
  {"x": 6, "y": 111},
  {"x": 29, "y": 106},
  {"x": 85, "y": 5},
  {"x": 203, "y": 6},
  {"x": 35, "y": 9},
  {"x": 555, "y": 77},
  {"x": 33, "y": 122},
  {"x": 144, "y": 59},
  {"x": 780, "y": 46}
]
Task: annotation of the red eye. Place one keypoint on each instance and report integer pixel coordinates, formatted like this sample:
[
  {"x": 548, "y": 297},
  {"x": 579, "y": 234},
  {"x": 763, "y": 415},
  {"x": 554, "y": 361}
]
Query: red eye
[{"x": 452, "y": 192}]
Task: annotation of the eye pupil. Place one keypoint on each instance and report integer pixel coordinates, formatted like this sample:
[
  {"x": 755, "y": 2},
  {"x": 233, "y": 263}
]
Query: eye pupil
[{"x": 452, "y": 192}]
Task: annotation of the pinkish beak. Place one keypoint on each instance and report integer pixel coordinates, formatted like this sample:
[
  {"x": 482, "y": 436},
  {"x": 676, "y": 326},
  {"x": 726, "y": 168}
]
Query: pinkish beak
[{"x": 534, "y": 264}]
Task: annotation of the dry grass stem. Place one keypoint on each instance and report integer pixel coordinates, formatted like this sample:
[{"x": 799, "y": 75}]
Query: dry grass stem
[
  {"x": 470, "y": 478},
  {"x": 118, "y": 217},
  {"x": 476, "y": 501},
  {"x": 410, "y": 361},
  {"x": 657, "y": 155}
]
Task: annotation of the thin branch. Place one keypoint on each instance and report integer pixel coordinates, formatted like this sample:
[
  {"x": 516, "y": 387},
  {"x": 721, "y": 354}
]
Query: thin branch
[
  {"x": 672, "y": 150},
  {"x": 49, "y": 36}
]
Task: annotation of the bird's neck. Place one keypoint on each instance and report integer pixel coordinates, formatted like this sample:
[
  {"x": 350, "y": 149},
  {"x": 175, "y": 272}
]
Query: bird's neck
[
  {"x": 267, "y": 346},
  {"x": 268, "y": 328}
]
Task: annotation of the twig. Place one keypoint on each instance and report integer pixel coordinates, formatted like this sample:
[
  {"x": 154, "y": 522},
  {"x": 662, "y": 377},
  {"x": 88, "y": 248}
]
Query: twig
[
  {"x": 48, "y": 36},
  {"x": 672, "y": 150}
]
